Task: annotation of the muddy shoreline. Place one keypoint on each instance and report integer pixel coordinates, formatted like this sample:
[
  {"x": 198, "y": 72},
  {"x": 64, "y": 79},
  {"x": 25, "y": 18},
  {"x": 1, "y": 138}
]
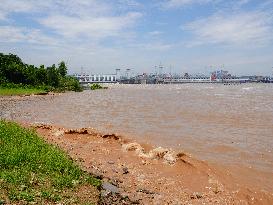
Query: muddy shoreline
[{"x": 141, "y": 174}]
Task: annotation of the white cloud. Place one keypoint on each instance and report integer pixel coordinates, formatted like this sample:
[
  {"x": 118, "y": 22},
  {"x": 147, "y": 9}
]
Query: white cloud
[
  {"x": 158, "y": 46},
  {"x": 11, "y": 34},
  {"x": 13, "y": 6},
  {"x": 180, "y": 3},
  {"x": 232, "y": 28},
  {"x": 94, "y": 27},
  {"x": 130, "y": 3},
  {"x": 68, "y": 29},
  {"x": 2, "y": 16},
  {"x": 155, "y": 33},
  {"x": 175, "y": 4},
  {"x": 68, "y": 7},
  {"x": 88, "y": 20}
]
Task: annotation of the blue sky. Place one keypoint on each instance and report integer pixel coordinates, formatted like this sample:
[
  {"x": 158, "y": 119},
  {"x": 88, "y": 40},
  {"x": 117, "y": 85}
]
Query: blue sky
[{"x": 195, "y": 36}]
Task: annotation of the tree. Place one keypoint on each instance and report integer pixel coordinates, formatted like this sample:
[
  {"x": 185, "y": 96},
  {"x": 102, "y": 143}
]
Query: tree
[
  {"x": 53, "y": 76},
  {"x": 14, "y": 72},
  {"x": 29, "y": 74},
  {"x": 11, "y": 68},
  {"x": 62, "y": 69},
  {"x": 41, "y": 75}
]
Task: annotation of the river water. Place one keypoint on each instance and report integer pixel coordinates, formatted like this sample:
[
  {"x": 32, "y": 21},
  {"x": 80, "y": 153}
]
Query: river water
[{"x": 229, "y": 124}]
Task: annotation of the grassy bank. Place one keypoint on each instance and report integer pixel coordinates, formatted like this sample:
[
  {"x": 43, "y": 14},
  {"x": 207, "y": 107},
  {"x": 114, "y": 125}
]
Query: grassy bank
[
  {"x": 20, "y": 91},
  {"x": 33, "y": 171}
]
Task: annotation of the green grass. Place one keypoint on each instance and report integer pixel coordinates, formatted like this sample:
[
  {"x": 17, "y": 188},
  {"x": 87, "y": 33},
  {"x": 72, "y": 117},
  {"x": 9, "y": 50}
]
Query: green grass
[
  {"x": 33, "y": 171},
  {"x": 96, "y": 86},
  {"x": 20, "y": 91}
]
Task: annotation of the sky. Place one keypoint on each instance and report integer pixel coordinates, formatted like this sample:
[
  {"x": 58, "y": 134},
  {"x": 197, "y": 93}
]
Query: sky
[{"x": 99, "y": 36}]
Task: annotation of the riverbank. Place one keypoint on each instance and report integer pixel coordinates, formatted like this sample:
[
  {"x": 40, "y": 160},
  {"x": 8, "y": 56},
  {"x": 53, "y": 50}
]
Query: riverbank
[
  {"x": 149, "y": 175},
  {"x": 117, "y": 108},
  {"x": 32, "y": 171},
  {"x": 21, "y": 91}
]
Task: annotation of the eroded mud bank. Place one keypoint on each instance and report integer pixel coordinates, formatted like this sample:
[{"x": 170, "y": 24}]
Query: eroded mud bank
[{"x": 143, "y": 174}]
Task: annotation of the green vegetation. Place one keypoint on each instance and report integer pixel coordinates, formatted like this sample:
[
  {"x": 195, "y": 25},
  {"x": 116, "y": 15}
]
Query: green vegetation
[
  {"x": 32, "y": 171},
  {"x": 21, "y": 91},
  {"x": 96, "y": 86},
  {"x": 14, "y": 72}
]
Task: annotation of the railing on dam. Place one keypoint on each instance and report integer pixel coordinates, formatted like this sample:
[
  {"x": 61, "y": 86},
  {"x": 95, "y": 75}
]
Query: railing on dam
[{"x": 108, "y": 78}]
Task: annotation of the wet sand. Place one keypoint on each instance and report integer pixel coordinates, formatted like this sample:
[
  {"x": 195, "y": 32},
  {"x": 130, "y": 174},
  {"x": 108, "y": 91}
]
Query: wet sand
[{"x": 151, "y": 179}]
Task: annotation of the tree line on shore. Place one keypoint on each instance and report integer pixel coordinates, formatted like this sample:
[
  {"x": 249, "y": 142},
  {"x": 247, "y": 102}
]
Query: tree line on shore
[{"x": 15, "y": 73}]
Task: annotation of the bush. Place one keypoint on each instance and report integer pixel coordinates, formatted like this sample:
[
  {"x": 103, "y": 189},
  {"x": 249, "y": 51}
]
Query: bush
[
  {"x": 96, "y": 86},
  {"x": 70, "y": 83}
]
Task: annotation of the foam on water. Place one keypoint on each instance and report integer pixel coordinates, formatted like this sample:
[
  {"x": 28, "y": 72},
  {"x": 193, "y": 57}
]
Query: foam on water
[{"x": 248, "y": 88}]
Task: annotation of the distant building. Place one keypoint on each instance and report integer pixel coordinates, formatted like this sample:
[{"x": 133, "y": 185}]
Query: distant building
[
  {"x": 127, "y": 77},
  {"x": 186, "y": 75},
  {"x": 220, "y": 74},
  {"x": 96, "y": 78},
  {"x": 267, "y": 79}
]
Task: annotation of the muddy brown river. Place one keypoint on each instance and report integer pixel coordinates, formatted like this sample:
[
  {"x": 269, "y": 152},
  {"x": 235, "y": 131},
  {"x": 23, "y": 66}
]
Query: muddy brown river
[{"x": 226, "y": 124}]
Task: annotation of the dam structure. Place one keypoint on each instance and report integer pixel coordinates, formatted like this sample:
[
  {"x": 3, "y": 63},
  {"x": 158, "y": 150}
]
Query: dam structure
[
  {"x": 219, "y": 76},
  {"x": 96, "y": 78}
]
